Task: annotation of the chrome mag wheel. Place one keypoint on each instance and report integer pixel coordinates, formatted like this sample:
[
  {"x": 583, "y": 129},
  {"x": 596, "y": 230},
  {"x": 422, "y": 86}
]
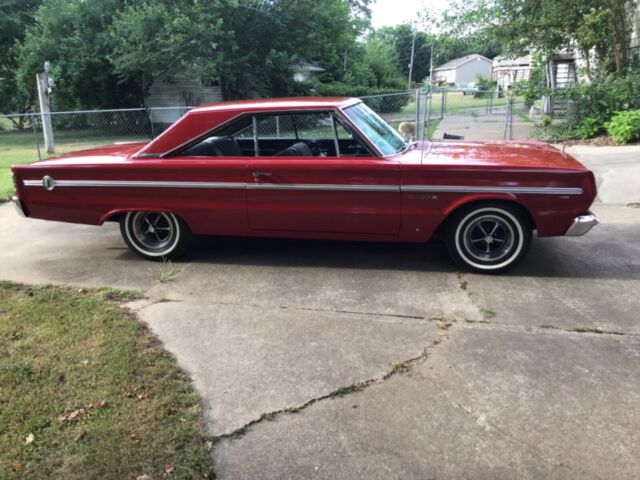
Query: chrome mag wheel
[
  {"x": 155, "y": 235},
  {"x": 488, "y": 238}
]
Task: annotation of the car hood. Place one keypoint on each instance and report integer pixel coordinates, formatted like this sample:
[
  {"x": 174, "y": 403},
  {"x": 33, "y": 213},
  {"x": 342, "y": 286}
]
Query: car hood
[{"x": 497, "y": 154}]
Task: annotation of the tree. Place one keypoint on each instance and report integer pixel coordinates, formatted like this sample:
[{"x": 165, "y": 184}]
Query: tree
[
  {"x": 551, "y": 26},
  {"x": 401, "y": 38},
  {"x": 72, "y": 35},
  {"x": 16, "y": 16},
  {"x": 250, "y": 46}
]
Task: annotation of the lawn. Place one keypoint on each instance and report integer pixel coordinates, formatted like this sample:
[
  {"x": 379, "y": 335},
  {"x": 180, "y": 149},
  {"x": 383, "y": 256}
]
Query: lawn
[{"x": 86, "y": 391}]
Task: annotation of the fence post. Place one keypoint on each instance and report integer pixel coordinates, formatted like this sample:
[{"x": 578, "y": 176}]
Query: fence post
[
  {"x": 150, "y": 117},
  {"x": 35, "y": 135},
  {"x": 419, "y": 123},
  {"x": 427, "y": 107},
  {"x": 45, "y": 110},
  {"x": 508, "y": 119},
  {"x": 442, "y": 97}
]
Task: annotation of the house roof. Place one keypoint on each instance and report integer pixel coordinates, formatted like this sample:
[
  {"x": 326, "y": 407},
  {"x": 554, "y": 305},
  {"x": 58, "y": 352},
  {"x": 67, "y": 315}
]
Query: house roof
[
  {"x": 456, "y": 62},
  {"x": 504, "y": 61}
]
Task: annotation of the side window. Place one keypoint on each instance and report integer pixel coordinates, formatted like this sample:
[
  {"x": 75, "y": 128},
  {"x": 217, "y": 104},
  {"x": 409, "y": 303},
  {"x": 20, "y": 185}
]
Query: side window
[
  {"x": 233, "y": 140},
  {"x": 274, "y": 127},
  {"x": 294, "y": 134},
  {"x": 283, "y": 134}
]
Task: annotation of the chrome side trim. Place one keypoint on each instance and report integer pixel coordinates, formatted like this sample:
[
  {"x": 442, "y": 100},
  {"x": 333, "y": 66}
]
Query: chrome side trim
[
  {"x": 474, "y": 189},
  {"x": 582, "y": 224},
  {"x": 322, "y": 186},
  {"x": 309, "y": 186},
  {"x": 18, "y": 204},
  {"x": 138, "y": 183}
]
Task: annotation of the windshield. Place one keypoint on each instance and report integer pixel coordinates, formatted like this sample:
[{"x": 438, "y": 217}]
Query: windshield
[{"x": 385, "y": 138}]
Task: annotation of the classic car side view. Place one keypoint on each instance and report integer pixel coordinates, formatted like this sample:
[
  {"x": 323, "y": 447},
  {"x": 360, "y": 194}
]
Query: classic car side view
[{"x": 326, "y": 168}]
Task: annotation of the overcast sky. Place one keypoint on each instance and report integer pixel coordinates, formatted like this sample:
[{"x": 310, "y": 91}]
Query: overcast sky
[{"x": 393, "y": 12}]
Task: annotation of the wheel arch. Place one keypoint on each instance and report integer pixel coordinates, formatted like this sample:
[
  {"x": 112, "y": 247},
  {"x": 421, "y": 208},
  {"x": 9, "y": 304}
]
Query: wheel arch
[
  {"x": 467, "y": 203},
  {"x": 116, "y": 215}
]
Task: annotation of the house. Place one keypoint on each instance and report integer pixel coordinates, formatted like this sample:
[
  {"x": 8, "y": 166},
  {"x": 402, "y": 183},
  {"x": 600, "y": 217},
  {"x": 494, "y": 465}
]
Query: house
[
  {"x": 507, "y": 70},
  {"x": 302, "y": 71},
  {"x": 165, "y": 95},
  {"x": 463, "y": 71}
]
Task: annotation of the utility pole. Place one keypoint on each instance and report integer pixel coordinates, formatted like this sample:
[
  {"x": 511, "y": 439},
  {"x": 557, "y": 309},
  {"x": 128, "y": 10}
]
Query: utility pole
[
  {"x": 44, "y": 91},
  {"x": 431, "y": 67},
  {"x": 413, "y": 49}
]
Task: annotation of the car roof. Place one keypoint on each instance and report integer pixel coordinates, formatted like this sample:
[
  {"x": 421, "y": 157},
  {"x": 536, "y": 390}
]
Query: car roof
[
  {"x": 278, "y": 104},
  {"x": 202, "y": 119}
]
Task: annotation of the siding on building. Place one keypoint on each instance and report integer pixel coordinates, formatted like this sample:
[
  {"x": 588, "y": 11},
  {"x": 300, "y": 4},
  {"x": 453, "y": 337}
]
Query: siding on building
[
  {"x": 181, "y": 93},
  {"x": 508, "y": 70},
  {"x": 463, "y": 71}
]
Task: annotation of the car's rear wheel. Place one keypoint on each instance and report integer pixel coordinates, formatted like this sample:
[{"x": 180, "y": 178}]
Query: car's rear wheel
[
  {"x": 488, "y": 238},
  {"x": 155, "y": 235}
]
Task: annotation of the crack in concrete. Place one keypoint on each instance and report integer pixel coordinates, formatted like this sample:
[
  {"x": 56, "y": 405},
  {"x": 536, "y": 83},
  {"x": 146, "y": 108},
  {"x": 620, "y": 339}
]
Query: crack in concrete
[
  {"x": 443, "y": 325},
  {"x": 138, "y": 308},
  {"x": 592, "y": 330},
  {"x": 484, "y": 312}
]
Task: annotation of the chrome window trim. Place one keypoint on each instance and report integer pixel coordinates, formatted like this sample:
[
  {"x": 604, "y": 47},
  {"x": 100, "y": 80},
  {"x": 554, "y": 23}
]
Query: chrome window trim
[
  {"x": 176, "y": 151},
  {"x": 311, "y": 186},
  {"x": 335, "y": 135}
]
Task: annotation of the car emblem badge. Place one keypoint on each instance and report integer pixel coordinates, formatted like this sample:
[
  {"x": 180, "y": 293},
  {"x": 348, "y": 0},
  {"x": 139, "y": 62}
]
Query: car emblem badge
[{"x": 48, "y": 183}]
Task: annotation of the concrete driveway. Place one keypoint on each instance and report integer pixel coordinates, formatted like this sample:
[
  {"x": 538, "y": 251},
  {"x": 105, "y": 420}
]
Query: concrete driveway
[{"x": 356, "y": 360}]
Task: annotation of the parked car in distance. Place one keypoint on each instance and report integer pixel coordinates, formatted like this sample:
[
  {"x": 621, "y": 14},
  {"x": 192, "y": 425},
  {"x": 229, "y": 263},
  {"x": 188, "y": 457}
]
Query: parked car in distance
[{"x": 324, "y": 168}]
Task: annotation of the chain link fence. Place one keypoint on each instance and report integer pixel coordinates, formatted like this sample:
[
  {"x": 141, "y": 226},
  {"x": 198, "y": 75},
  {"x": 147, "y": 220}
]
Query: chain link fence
[
  {"x": 419, "y": 114},
  {"x": 475, "y": 114},
  {"x": 77, "y": 129}
]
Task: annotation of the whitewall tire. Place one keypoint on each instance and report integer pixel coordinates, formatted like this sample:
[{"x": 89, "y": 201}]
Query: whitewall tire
[
  {"x": 155, "y": 235},
  {"x": 488, "y": 238}
]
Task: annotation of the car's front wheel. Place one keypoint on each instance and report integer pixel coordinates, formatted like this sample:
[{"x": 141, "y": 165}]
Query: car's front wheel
[
  {"x": 155, "y": 235},
  {"x": 488, "y": 238}
]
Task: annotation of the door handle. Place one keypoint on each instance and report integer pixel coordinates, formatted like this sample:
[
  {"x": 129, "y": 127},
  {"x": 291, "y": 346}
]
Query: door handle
[{"x": 258, "y": 175}]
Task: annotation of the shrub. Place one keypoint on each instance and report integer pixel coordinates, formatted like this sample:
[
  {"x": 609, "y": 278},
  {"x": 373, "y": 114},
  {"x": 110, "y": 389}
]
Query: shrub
[
  {"x": 588, "y": 127},
  {"x": 484, "y": 86},
  {"x": 602, "y": 98},
  {"x": 624, "y": 127}
]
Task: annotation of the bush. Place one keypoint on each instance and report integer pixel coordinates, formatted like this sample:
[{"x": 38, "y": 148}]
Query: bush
[
  {"x": 484, "y": 86},
  {"x": 588, "y": 127},
  {"x": 601, "y": 99},
  {"x": 624, "y": 127}
]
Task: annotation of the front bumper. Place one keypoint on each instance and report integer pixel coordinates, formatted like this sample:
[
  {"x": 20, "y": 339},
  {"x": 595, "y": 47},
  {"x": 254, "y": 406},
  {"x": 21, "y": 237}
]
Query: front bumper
[
  {"x": 582, "y": 224},
  {"x": 18, "y": 204}
]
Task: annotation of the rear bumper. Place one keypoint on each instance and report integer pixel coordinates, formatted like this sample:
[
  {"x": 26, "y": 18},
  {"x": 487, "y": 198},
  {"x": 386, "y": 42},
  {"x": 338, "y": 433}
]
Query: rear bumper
[
  {"x": 18, "y": 204},
  {"x": 582, "y": 224}
]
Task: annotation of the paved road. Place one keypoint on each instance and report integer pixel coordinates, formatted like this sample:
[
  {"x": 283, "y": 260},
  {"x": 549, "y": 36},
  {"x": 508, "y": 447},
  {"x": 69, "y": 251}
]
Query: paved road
[
  {"x": 355, "y": 360},
  {"x": 482, "y": 126}
]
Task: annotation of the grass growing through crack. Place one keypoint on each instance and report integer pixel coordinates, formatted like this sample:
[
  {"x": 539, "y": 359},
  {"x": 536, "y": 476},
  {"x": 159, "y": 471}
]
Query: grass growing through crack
[
  {"x": 87, "y": 392},
  {"x": 166, "y": 272}
]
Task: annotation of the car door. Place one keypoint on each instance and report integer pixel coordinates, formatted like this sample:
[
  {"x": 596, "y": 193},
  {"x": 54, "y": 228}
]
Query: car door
[{"x": 321, "y": 187}]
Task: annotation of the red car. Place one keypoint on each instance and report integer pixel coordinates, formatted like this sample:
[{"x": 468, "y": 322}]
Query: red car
[{"x": 326, "y": 168}]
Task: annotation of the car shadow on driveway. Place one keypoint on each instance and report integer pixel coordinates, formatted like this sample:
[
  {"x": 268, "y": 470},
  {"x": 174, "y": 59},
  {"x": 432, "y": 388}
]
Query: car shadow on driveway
[{"x": 611, "y": 253}]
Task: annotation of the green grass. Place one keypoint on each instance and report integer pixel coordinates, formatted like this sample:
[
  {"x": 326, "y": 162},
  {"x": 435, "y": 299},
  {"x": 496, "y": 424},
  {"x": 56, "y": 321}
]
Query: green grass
[
  {"x": 86, "y": 391},
  {"x": 433, "y": 126}
]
